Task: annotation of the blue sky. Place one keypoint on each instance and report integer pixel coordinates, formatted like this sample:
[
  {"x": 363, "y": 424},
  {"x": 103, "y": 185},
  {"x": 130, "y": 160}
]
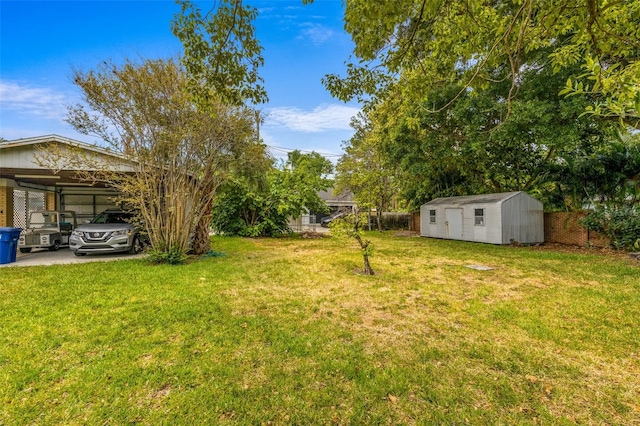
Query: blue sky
[{"x": 41, "y": 41}]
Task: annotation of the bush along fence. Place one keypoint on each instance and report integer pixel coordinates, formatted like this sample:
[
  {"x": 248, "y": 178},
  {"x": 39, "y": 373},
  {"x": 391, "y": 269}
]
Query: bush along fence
[
  {"x": 620, "y": 223},
  {"x": 395, "y": 221}
]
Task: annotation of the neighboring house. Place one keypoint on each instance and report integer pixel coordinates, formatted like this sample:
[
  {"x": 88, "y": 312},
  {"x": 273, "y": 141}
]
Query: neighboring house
[
  {"x": 334, "y": 201},
  {"x": 501, "y": 218},
  {"x": 26, "y": 185}
]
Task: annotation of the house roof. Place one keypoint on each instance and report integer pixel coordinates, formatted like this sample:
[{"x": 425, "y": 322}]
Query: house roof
[
  {"x": 336, "y": 199},
  {"x": 475, "y": 199}
]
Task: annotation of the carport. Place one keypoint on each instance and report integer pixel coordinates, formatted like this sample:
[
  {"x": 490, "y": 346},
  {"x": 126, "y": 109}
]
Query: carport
[{"x": 25, "y": 184}]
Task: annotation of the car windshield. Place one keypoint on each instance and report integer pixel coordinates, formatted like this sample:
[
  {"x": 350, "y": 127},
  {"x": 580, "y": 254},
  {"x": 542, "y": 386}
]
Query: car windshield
[
  {"x": 43, "y": 220},
  {"x": 113, "y": 217}
]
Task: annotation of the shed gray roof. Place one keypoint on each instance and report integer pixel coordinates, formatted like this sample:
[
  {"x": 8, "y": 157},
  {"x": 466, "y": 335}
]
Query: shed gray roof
[{"x": 474, "y": 199}]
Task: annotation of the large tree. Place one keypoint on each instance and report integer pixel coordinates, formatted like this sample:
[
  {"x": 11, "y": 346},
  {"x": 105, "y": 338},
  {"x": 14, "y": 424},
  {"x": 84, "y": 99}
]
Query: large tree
[
  {"x": 422, "y": 44},
  {"x": 222, "y": 55},
  {"x": 607, "y": 173},
  {"x": 179, "y": 154},
  {"x": 481, "y": 142}
]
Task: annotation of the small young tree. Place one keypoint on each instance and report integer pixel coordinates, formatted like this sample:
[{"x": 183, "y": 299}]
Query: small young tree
[{"x": 351, "y": 226}]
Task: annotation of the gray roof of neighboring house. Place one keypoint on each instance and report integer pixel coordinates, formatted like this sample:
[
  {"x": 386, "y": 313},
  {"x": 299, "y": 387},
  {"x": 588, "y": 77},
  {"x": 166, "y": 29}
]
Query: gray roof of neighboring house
[
  {"x": 330, "y": 196},
  {"x": 474, "y": 199}
]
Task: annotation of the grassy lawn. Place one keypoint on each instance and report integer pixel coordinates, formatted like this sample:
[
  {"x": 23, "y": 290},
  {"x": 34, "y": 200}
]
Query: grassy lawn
[{"x": 283, "y": 331}]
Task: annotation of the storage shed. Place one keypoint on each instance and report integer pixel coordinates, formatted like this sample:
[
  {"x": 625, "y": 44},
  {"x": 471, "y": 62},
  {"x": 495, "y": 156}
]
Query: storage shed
[{"x": 500, "y": 218}]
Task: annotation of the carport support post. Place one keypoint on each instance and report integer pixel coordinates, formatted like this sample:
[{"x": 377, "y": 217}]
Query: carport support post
[
  {"x": 50, "y": 201},
  {"x": 6, "y": 204}
]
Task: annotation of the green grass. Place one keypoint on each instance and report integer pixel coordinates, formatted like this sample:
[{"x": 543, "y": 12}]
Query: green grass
[{"x": 284, "y": 331}]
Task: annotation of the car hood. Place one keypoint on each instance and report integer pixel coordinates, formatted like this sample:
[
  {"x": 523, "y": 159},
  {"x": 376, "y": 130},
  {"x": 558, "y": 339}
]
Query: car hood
[{"x": 103, "y": 227}]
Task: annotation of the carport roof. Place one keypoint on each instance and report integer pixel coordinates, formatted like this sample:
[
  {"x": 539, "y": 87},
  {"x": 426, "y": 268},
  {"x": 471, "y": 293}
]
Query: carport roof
[
  {"x": 22, "y": 169},
  {"x": 54, "y": 138}
]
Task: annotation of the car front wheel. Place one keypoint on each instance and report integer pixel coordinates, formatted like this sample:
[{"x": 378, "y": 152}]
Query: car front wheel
[{"x": 136, "y": 246}]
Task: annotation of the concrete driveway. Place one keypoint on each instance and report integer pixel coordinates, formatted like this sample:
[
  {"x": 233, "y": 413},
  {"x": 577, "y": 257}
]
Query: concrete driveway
[{"x": 63, "y": 257}]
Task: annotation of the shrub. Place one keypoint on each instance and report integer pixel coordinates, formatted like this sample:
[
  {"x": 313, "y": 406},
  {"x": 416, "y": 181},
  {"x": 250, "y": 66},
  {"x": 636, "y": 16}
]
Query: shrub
[
  {"x": 620, "y": 223},
  {"x": 173, "y": 255}
]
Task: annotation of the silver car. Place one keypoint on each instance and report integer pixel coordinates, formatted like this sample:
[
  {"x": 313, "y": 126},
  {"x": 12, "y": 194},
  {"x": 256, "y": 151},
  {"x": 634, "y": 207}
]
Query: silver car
[{"x": 109, "y": 232}]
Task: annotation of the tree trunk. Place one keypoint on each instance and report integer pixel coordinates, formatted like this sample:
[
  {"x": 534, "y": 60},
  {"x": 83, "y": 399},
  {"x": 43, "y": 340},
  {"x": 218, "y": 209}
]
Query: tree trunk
[
  {"x": 363, "y": 245},
  {"x": 367, "y": 267},
  {"x": 201, "y": 243}
]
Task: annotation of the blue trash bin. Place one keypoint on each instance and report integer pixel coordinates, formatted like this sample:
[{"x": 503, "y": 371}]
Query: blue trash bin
[{"x": 9, "y": 244}]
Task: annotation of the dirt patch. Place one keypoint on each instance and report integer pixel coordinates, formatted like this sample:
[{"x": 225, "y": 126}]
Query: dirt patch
[
  {"x": 562, "y": 248},
  {"x": 314, "y": 235},
  {"x": 406, "y": 234}
]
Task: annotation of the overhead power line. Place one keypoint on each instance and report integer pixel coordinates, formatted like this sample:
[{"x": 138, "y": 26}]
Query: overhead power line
[{"x": 287, "y": 150}]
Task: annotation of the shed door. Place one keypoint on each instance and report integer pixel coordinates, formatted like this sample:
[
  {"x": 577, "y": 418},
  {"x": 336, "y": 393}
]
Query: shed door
[{"x": 453, "y": 223}]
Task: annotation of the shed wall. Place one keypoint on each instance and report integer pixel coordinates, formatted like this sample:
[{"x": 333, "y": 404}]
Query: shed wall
[
  {"x": 490, "y": 232},
  {"x": 493, "y": 223},
  {"x": 523, "y": 220}
]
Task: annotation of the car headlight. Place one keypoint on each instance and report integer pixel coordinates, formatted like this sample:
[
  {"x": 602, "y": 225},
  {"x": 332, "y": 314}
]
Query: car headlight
[
  {"x": 121, "y": 232},
  {"x": 76, "y": 233}
]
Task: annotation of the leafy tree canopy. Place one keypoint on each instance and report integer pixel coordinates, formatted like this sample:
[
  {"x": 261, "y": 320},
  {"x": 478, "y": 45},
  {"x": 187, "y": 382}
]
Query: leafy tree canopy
[
  {"x": 364, "y": 169},
  {"x": 481, "y": 143},
  {"x": 421, "y": 44},
  {"x": 260, "y": 202},
  {"x": 221, "y": 53}
]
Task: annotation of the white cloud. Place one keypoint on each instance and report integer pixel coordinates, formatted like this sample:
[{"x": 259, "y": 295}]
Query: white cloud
[
  {"x": 42, "y": 102},
  {"x": 322, "y": 118},
  {"x": 316, "y": 32}
]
